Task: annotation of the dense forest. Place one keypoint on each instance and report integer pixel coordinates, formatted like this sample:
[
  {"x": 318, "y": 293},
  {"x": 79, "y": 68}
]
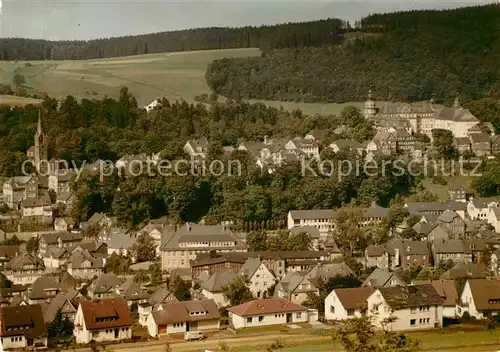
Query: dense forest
[
  {"x": 402, "y": 56},
  {"x": 316, "y": 33},
  {"x": 107, "y": 129}
]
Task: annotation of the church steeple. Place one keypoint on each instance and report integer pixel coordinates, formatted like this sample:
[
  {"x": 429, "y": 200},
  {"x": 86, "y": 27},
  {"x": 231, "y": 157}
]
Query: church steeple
[
  {"x": 370, "y": 108},
  {"x": 39, "y": 129}
]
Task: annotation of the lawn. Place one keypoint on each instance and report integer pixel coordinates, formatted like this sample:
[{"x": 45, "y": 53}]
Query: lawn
[{"x": 148, "y": 77}]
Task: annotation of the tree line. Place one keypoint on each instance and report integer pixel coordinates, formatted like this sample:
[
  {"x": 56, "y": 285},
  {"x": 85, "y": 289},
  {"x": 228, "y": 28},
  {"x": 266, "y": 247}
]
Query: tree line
[
  {"x": 406, "y": 56},
  {"x": 314, "y": 33}
]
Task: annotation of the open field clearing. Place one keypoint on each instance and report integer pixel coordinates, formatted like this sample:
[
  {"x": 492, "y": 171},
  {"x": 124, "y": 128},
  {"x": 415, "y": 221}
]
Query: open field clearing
[
  {"x": 148, "y": 77},
  {"x": 17, "y": 101}
]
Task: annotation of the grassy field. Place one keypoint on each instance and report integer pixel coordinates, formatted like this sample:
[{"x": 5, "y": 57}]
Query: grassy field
[
  {"x": 17, "y": 101},
  {"x": 172, "y": 75}
]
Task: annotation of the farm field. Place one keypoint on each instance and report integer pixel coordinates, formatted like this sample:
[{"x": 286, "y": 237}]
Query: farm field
[
  {"x": 148, "y": 77},
  {"x": 17, "y": 101}
]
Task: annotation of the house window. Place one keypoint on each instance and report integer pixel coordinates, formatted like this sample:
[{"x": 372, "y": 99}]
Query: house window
[
  {"x": 350, "y": 312},
  {"x": 249, "y": 320},
  {"x": 298, "y": 315},
  {"x": 332, "y": 309},
  {"x": 261, "y": 318},
  {"x": 412, "y": 322}
]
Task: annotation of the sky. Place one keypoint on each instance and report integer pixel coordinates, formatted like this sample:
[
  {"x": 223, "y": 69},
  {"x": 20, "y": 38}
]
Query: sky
[{"x": 89, "y": 19}]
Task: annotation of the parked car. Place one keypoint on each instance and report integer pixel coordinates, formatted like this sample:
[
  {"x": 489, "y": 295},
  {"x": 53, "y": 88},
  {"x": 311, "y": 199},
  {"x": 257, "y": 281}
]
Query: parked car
[{"x": 193, "y": 335}]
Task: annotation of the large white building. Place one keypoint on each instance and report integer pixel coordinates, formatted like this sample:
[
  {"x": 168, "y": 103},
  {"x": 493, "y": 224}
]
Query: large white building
[{"x": 421, "y": 117}]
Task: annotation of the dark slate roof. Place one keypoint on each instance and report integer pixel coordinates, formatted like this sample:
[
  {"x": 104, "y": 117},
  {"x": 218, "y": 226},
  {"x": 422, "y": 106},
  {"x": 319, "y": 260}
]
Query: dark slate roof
[
  {"x": 218, "y": 280},
  {"x": 23, "y": 320},
  {"x": 401, "y": 297}
]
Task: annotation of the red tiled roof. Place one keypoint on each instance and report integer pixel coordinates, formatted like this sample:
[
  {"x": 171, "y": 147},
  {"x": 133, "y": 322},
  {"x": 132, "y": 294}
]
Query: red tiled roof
[
  {"x": 115, "y": 311},
  {"x": 266, "y": 306}
]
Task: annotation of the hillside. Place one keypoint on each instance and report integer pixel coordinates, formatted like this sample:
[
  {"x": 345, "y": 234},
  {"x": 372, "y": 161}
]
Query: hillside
[
  {"x": 416, "y": 55},
  {"x": 314, "y": 33}
]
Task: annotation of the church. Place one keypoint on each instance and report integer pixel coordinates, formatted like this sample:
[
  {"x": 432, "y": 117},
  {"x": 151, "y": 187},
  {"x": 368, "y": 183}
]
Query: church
[
  {"x": 421, "y": 117},
  {"x": 39, "y": 151}
]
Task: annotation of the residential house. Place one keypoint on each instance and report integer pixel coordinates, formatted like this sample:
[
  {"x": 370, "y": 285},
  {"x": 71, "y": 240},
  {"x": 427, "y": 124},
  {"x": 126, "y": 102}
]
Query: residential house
[
  {"x": 132, "y": 293},
  {"x": 295, "y": 287},
  {"x": 495, "y": 144},
  {"x": 478, "y": 208},
  {"x": 150, "y": 107},
  {"x": 383, "y": 278},
  {"x": 43, "y": 289},
  {"x": 321, "y": 219},
  {"x": 437, "y": 233},
  {"x": 22, "y": 327},
  {"x": 98, "y": 220},
  {"x": 453, "y": 223},
  {"x": 60, "y": 240},
  {"x": 212, "y": 288},
  {"x": 448, "y": 292},
  {"x": 24, "y": 269},
  {"x": 346, "y": 303},
  {"x": 260, "y": 277},
  {"x": 159, "y": 232},
  {"x": 457, "y": 193},
  {"x": 431, "y": 208},
  {"x": 103, "y": 320},
  {"x": 266, "y": 312},
  {"x": 104, "y": 286},
  {"x": 7, "y": 253},
  {"x": 59, "y": 181},
  {"x": 495, "y": 262},
  {"x": 121, "y": 244},
  {"x": 462, "y": 145},
  {"x": 61, "y": 303},
  {"x": 37, "y": 210},
  {"x": 191, "y": 239},
  {"x": 408, "y": 253},
  {"x": 56, "y": 257},
  {"x": 454, "y": 250},
  {"x": 64, "y": 224},
  {"x": 346, "y": 145},
  {"x": 493, "y": 218},
  {"x": 377, "y": 256},
  {"x": 197, "y": 148},
  {"x": 18, "y": 188},
  {"x": 308, "y": 147},
  {"x": 415, "y": 307},
  {"x": 67, "y": 199},
  {"x": 83, "y": 265},
  {"x": 184, "y": 316},
  {"x": 480, "y": 298},
  {"x": 466, "y": 271},
  {"x": 159, "y": 297},
  {"x": 481, "y": 144}
]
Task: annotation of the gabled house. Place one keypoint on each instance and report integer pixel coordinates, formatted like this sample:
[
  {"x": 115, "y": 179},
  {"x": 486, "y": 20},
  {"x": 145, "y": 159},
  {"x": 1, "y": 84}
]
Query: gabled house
[
  {"x": 346, "y": 303},
  {"x": 454, "y": 250},
  {"x": 197, "y": 148},
  {"x": 56, "y": 257},
  {"x": 295, "y": 288},
  {"x": 448, "y": 292},
  {"x": 212, "y": 287},
  {"x": 408, "y": 253},
  {"x": 453, "y": 223},
  {"x": 265, "y": 312},
  {"x": 480, "y": 144},
  {"x": 159, "y": 232},
  {"x": 64, "y": 224},
  {"x": 480, "y": 298},
  {"x": 7, "y": 253},
  {"x": 104, "y": 286},
  {"x": 308, "y": 147},
  {"x": 260, "y": 277},
  {"x": 466, "y": 271},
  {"x": 457, "y": 193},
  {"x": 346, "y": 145},
  {"x": 37, "y": 210},
  {"x": 312, "y": 232},
  {"x": 83, "y": 265},
  {"x": 415, "y": 307},
  {"x": 67, "y": 199},
  {"x": 159, "y": 297},
  {"x": 24, "y": 269},
  {"x": 62, "y": 240},
  {"x": 132, "y": 293},
  {"x": 462, "y": 144},
  {"x": 121, "y": 244},
  {"x": 98, "y": 220},
  {"x": 437, "y": 233},
  {"x": 60, "y": 303},
  {"x": 383, "y": 278},
  {"x": 18, "y": 188},
  {"x": 103, "y": 320},
  {"x": 44, "y": 289},
  {"x": 377, "y": 256},
  {"x": 184, "y": 316},
  {"x": 22, "y": 327},
  {"x": 495, "y": 144},
  {"x": 478, "y": 208}
]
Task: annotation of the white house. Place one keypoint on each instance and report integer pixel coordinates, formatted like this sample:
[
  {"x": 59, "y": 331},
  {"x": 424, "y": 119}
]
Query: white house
[
  {"x": 478, "y": 208},
  {"x": 212, "y": 287},
  {"x": 480, "y": 298},
  {"x": 184, "y": 316},
  {"x": 264, "y": 312},
  {"x": 260, "y": 277},
  {"x": 103, "y": 320},
  {"x": 152, "y": 105},
  {"x": 22, "y": 327},
  {"x": 306, "y": 146},
  {"x": 321, "y": 219},
  {"x": 493, "y": 218},
  {"x": 415, "y": 307},
  {"x": 346, "y": 303}
]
